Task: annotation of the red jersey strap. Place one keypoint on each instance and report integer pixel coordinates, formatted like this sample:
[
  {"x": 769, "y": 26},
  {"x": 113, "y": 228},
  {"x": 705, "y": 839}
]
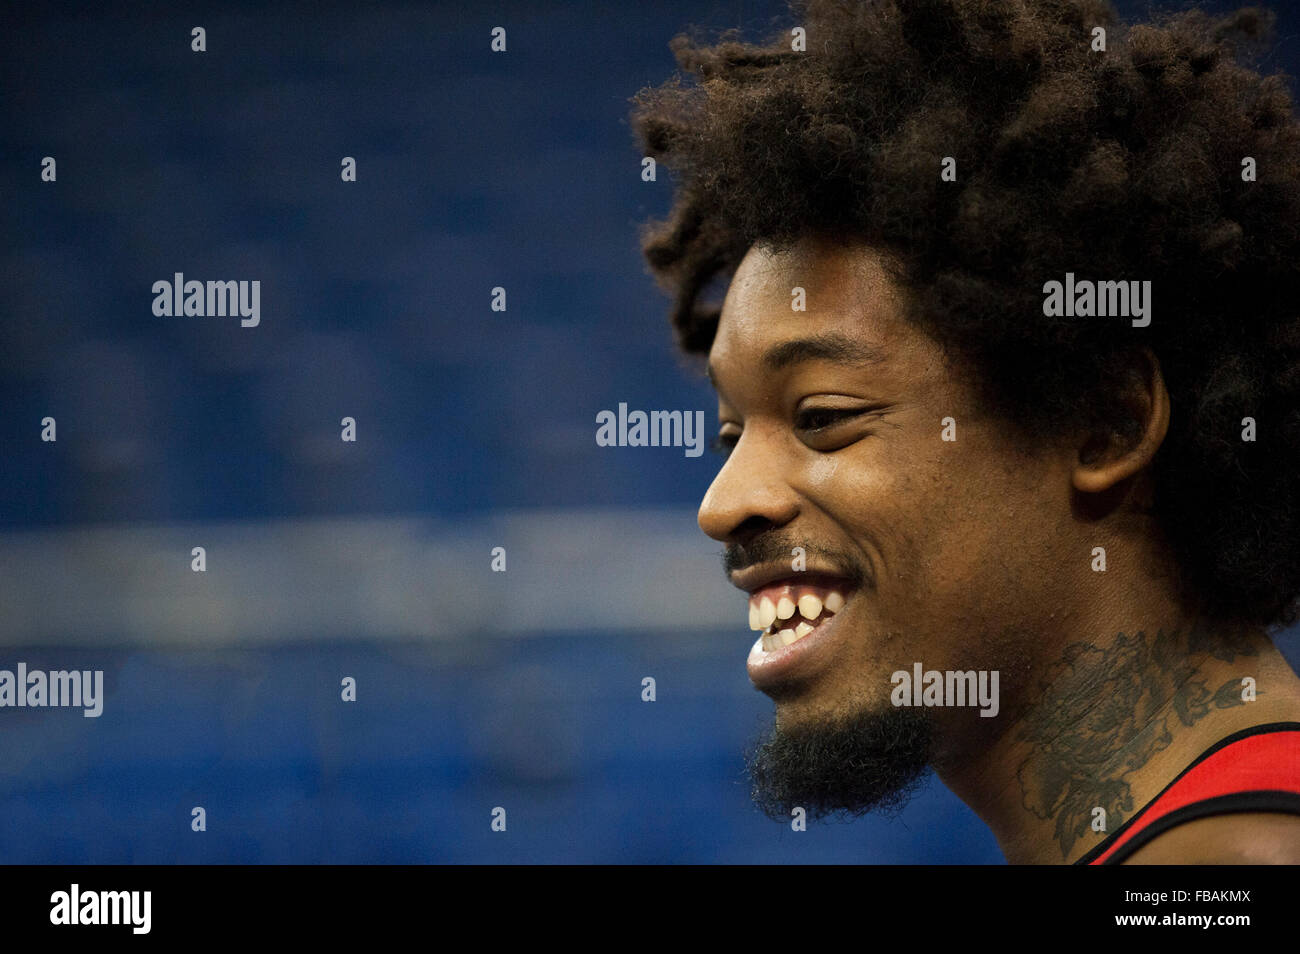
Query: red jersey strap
[{"x": 1254, "y": 770}]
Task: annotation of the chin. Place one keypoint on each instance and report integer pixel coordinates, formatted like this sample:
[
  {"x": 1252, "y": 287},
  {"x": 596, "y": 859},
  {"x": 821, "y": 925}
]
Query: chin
[{"x": 809, "y": 704}]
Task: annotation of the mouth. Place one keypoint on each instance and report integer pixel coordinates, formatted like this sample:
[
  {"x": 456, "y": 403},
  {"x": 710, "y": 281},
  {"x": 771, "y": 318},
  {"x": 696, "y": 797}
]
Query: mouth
[{"x": 796, "y": 618}]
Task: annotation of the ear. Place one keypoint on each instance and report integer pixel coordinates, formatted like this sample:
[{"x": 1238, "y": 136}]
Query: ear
[{"x": 1107, "y": 459}]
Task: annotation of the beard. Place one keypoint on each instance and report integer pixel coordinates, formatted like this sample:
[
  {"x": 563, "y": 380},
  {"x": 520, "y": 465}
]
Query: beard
[{"x": 849, "y": 765}]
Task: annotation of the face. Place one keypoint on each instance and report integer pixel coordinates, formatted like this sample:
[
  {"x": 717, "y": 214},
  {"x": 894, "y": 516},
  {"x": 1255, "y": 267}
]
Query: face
[{"x": 915, "y": 548}]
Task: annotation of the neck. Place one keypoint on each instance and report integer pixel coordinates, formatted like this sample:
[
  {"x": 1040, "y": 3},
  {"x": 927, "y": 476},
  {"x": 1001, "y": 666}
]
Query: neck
[{"x": 1112, "y": 722}]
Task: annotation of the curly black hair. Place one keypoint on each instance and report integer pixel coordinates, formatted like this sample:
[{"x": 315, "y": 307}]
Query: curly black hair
[{"x": 1122, "y": 164}]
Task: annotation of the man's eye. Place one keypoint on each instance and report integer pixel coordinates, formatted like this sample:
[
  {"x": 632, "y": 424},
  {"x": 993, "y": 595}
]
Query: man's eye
[
  {"x": 818, "y": 419},
  {"x": 724, "y": 444}
]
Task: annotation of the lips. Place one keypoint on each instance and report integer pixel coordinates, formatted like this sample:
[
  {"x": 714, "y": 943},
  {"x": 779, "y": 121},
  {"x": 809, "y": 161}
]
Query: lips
[{"x": 796, "y": 616}]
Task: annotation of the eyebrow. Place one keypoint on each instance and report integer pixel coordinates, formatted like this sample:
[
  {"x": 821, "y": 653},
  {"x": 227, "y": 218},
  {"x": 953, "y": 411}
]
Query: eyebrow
[{"x": 830, "y": 346}]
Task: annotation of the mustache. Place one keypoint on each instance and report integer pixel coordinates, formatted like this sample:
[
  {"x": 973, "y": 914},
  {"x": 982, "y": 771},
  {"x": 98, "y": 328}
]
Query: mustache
[{"x": 776, "y": 548}]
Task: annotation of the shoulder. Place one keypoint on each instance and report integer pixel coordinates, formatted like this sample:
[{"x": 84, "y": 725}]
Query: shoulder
[{"x": 1254, "y": 838}]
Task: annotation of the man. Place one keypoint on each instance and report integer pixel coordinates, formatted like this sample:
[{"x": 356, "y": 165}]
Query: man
[{"x": 1008, "y": 376}]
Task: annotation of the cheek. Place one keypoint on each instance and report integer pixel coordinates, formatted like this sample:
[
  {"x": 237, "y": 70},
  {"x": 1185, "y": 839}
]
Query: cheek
[
  {"x": 930, "y": 520},
  {"x": 822, "y": 473},
  {"x": 984, "y": 542},
  {"x": 882, "y": 497}
]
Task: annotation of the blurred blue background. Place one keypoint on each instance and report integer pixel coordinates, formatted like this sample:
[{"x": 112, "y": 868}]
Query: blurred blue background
[{"x": 369, "y": 559}]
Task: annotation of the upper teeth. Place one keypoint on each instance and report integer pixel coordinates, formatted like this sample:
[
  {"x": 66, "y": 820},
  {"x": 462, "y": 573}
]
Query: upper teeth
[{"x": 770, "y": 617}]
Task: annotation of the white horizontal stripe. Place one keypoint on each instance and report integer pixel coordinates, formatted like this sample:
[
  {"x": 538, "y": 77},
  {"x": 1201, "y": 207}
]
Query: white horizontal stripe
[{"x": 364, "y": 578}]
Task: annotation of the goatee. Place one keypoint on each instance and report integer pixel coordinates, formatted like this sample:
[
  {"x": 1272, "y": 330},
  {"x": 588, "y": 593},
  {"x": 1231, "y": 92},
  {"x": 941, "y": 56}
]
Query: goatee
[{"x": 872, "y": 760}]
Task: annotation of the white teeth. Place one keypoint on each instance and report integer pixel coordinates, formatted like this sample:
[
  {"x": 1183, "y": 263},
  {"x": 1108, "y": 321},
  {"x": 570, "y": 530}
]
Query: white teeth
[
  {"x": 774, "y": 641},
  {"x": 765, "y": 616}
]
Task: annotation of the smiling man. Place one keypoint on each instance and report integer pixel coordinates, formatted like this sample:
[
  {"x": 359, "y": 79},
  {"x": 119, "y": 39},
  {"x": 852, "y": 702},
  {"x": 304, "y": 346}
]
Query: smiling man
[{"x": 935, "y": 487}]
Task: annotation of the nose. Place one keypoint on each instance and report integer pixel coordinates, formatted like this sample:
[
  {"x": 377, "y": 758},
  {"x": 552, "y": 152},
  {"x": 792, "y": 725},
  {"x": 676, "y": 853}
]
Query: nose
[{"x": 750, "y": 494}]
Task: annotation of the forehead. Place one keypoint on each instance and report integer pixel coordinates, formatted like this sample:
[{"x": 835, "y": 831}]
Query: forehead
[{"x": 847, "y": 294}]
